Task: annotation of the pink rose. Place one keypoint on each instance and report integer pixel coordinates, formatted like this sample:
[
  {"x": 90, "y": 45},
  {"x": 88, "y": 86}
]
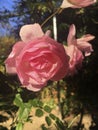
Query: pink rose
[
  {"x": 76, "y": 59},
  {"x": 81, "y": 43},
  {"x": 37, "y": 58},
  {"x": 76, "y": 3},
  {"x": 75, "y": 49}
]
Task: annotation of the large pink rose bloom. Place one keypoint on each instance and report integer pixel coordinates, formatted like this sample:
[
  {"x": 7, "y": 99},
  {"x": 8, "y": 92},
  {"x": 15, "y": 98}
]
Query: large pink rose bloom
[
  {"x": 76, "y": 48},
  {"x": 37, "y": 58},
  {"x": 76, "y": 3}
]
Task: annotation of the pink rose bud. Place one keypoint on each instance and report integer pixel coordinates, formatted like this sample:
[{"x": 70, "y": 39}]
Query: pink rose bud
[
  {"x": 81, "y": 43},
  {"x": 75, "y": 49}
]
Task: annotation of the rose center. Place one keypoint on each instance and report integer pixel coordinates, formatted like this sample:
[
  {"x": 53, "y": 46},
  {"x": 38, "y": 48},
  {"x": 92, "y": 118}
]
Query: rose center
[{"x": 40, "y": 63}]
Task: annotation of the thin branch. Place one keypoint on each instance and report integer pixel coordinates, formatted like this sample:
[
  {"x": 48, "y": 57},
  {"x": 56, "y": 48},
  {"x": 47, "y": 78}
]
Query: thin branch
[{"x": 57, "y": 11}]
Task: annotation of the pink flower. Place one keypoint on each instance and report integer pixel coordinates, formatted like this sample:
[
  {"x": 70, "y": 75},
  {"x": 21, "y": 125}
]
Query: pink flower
[
  {"x": 81, "y": 43},
  {"x": 76, "y": 59},
  {"x": 75, "y": 49},
  {"x": 37, "y": 58},
  {"x": 76, "y": 3}
]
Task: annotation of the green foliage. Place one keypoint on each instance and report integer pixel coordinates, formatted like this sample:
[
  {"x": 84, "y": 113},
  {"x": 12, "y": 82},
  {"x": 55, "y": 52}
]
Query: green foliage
[
  {"x": 19, "y": 126},
  {"x": 48, "y": 120},
  {"x": 47, "y": 109},
  {"x": 18, "y": 100},
  {"x": 23, "y": 111},
  {"x": 39, "y": 113},
  {"x": 41, "y": 109},
  {"x": 58, "y": 123},
  {"x": 52, "y": 116},
  {"x": 43, "y": 127},
  {"x": 36, "y": 103}
]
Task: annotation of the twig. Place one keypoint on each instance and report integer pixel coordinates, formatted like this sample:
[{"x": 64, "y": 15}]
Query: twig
[
  {"x": 73, "y": 121},
  {"x": 57, "y": 11}
]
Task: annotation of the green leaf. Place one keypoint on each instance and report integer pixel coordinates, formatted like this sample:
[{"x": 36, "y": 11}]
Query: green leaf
[
  {"x": 19, "y": 126},
  {"x": 40, "y": 104},
  {"x": 52, "y": 116},
  {"x": 43, "y": 127},
  {"x": 48, "y": 120},
  {"x": 18, "y": 100},
  {"x": 47, "y": 109},
  {"x": 27, "y": 105},
  {"x": 60, "y": 124},
  {"x": 39, "y": 113},
  {"x": 36, "y": 103},
  {"x": 23, "y": 114}
]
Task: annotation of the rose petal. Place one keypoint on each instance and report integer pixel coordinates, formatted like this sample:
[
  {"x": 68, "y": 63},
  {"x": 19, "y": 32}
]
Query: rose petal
[
  {"x": 48, "y": 33},
  {"x": 71, "y": 36},
  {"x": 85, "y": 47},
  {"x": 31, "y": 88},
  {"x": 66, "y": 4},
  {"x": 83, "y": 3},
  {"x": 30, "y": 32},
  {"x": 77, "y": 3},
  {"x": 10, "y": 62},
  {"x": 76, "y": 58},
  {"x": 87, "y": 37}
]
